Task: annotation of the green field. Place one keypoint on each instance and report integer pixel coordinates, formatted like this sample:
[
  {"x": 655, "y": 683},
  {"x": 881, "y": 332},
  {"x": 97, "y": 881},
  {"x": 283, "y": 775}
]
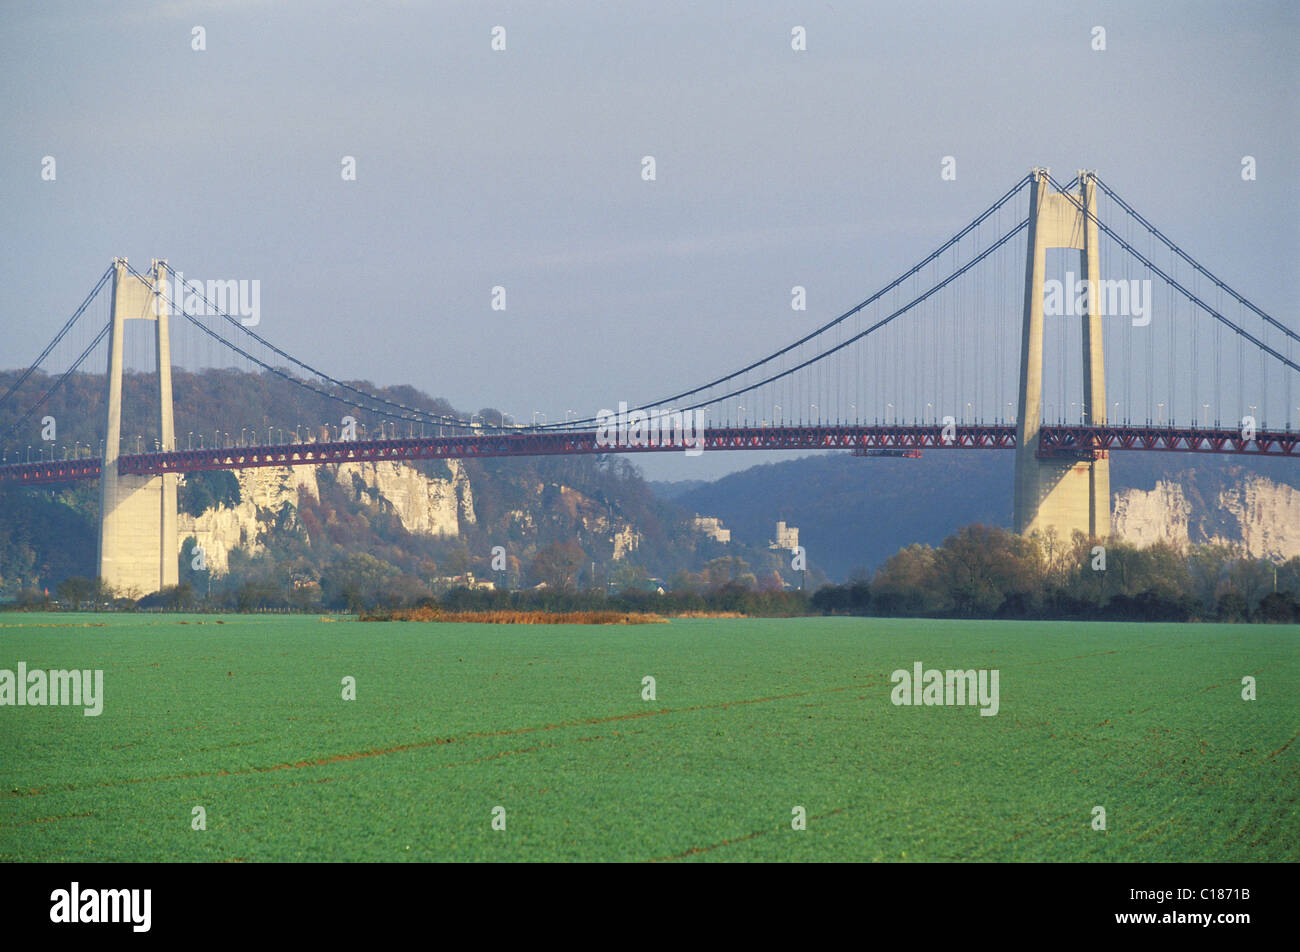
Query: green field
[{"x": 752, "y": 717}]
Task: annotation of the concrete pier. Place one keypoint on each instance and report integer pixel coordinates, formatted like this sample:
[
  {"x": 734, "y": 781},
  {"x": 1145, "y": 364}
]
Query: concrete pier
[
  {"x": 1066, "y": 494},
  {"x": 137, "y": 532}
]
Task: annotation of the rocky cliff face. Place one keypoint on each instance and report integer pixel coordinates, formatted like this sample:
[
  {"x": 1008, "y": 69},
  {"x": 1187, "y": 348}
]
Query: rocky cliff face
[
  {"x": 425, "y": 506},
  {"x": 626, "y": 541},
  {"x": 1257, "y": 514},
  {"x": 264, "y": 493},
  {"x": 437, "y": 507},
  {"x": 269, "y": 496},
  {"x": 594, "y": 519}
]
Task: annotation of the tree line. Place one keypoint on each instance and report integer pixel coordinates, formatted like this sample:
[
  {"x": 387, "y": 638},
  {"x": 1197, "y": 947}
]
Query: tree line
[
  {"x": 988, "y": 572},
  {"x": 977, "y": 572}
]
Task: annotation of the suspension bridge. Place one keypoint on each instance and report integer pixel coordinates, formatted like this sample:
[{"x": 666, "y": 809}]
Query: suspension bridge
[{"x": 992, "y": 341}]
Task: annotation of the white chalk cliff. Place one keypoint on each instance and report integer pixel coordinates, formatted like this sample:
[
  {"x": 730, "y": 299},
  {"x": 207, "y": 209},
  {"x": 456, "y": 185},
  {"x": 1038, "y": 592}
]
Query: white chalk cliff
[
  {"x": 424, "y": 505},
  {"x": 1257, "y": 514}
]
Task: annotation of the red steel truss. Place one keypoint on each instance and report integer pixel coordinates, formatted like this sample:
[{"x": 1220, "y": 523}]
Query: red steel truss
[
  {"x": 54, "y": 471},
  {"x": 1055, "y": 441}
]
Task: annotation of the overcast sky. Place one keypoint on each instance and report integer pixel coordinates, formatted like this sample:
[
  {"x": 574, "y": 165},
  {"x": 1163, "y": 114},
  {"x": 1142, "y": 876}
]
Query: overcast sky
[{"x": 522, "y": 168}]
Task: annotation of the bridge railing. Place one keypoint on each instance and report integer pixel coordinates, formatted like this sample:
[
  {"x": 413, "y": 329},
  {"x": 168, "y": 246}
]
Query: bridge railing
[{"x": 1055, "y": 441}]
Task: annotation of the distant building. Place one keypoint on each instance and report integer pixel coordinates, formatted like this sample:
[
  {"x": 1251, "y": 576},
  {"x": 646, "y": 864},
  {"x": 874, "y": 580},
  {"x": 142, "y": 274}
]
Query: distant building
[
  {"x": 711, "y": 526},
  {"x": 467, "y": 580},
  {"x": 787, "y": 537}
]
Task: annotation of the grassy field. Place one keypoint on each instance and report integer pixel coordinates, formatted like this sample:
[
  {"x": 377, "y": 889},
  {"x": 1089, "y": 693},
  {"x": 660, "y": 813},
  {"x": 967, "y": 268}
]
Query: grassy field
[{"x": 752, "y": 717}]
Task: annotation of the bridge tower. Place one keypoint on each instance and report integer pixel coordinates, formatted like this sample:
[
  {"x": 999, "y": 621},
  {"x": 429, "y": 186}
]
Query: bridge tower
[
  {"x": 137, "y": 523},
  {"x": 1072, "y": 492}
]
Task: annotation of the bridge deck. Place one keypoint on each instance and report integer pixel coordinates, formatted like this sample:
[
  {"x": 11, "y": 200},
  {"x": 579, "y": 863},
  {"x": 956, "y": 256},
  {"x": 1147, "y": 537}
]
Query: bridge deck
[{"x": 1079, "y": 441}]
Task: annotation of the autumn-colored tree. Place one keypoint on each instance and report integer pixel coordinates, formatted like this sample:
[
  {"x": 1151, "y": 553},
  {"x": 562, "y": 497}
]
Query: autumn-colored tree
[
  {"x": 559, "y": 564},
  {"x": 718, "y": 572},
  {"x": 78, "y": 591},
  {"x": 979, "y": 567},
  {"x": 906, "y": 583}
]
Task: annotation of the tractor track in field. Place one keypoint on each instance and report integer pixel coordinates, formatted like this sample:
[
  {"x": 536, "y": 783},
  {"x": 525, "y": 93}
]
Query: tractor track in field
[
  {"x": 475, "y": 760},
  {"x": 1284, "y": 746},
  {"x": 1126, "y": 650},
  {"x": 49, "y": 819},
  {"x": 435, "y": 742},
  {"x": 1183, "y": 697},
  {"x": 698, "y": 850}
]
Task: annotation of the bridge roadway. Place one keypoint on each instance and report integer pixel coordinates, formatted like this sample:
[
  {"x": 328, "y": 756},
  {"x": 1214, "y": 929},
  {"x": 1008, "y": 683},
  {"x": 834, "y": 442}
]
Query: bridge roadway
[{"x": 1055, "y": 441}]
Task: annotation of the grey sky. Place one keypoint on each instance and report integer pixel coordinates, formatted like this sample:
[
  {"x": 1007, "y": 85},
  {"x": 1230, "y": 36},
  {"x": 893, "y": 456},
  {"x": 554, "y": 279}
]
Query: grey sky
[{"x": 477, "y": 168}]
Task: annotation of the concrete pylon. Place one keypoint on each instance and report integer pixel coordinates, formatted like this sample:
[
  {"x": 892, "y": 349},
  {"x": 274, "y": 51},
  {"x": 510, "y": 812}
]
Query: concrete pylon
[
  {"x": 137, "y": 523},
  {"x": 1065, "y": 493}
]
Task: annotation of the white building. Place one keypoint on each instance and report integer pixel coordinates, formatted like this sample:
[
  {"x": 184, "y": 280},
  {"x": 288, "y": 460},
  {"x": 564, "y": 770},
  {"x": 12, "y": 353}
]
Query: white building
[
  {"x": 711, "y": 526},
  {"x": 787, "y": 537}
]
